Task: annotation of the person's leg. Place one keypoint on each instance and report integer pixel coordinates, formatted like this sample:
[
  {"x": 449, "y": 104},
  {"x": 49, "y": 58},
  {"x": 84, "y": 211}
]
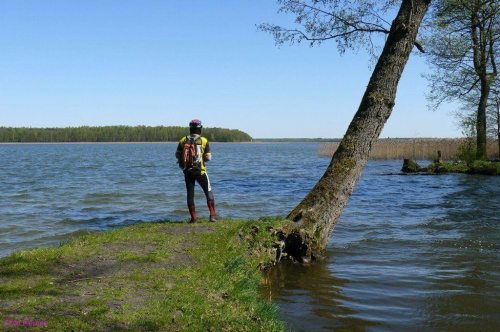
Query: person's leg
[
  {"x": 190, "y": 181},
  {"x": 204, "y": 182}
]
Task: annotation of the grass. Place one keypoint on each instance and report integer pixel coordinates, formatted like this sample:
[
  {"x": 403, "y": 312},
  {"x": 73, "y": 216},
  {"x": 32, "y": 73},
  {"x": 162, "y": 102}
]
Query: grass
[
  {"x": 414, "y": 148},
  {"x": 475, "y": 167},
  {"x": 147, "y": 277}
]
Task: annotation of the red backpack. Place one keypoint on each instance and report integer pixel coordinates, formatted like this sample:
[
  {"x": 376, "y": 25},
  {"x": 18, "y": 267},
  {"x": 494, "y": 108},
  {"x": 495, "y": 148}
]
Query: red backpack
[{"x": 190, "y": 160}]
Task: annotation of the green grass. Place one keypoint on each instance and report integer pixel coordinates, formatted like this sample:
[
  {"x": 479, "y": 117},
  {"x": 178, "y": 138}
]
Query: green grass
[
  {"x": 146, "y": 277},
  {"x": 484, "y": 167},
  {"x": 475, "y": 167}
]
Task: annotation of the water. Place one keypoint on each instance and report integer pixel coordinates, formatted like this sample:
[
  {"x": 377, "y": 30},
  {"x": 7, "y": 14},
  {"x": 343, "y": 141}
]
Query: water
[
  {"x": 50, "y": 193},
  {"x": 409, "y": 252}
]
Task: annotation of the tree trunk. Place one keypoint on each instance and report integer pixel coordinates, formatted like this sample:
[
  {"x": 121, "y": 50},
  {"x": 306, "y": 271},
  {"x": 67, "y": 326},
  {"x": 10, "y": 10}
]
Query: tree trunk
[
  {"x": 498, "y": 125},
  {"x": 495, "y": 118},
  {"x": 481, "y": 119},
  {"x": 316, "y": 216}
]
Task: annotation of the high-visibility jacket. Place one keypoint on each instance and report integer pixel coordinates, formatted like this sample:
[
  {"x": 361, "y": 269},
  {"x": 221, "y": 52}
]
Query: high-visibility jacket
[{"x": 204, "y": 150}]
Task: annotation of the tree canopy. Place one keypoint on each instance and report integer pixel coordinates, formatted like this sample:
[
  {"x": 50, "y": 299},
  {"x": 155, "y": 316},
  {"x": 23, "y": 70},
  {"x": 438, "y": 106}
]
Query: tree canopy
[
  {"x": 351, "y": 24},
  {"x": 463, "y": 50}
]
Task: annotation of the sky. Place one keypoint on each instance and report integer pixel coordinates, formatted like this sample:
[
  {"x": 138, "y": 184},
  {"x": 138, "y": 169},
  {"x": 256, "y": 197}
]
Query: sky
[{"x": 96, "y": 63}]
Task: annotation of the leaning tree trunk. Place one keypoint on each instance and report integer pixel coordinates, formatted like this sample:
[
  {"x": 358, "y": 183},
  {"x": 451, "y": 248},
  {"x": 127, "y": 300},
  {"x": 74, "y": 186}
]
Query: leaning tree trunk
[{"x": 316, "y": 216}]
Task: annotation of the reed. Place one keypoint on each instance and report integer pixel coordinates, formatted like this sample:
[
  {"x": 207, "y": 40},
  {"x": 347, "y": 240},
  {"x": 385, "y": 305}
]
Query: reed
[{"x": 415, "y": 148}]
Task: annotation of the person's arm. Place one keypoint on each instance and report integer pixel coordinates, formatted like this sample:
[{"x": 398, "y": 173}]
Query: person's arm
[
  {"x": 179, "y": 151},
  {"x": 207, "y": 156}
]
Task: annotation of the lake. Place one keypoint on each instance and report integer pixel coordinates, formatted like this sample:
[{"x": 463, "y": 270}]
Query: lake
[{"x": 408, "y": 253}]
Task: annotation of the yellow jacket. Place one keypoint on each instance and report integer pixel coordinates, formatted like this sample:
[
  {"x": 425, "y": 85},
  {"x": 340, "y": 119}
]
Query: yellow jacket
[{"x": 202, "y": 147}]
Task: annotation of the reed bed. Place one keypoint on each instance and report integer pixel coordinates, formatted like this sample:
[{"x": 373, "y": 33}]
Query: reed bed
[{"x": 415, "y": 148}]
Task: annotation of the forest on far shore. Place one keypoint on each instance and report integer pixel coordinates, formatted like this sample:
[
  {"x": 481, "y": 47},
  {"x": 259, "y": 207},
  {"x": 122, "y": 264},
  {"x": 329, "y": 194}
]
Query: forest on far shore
[{"x": 115, "y": 134}]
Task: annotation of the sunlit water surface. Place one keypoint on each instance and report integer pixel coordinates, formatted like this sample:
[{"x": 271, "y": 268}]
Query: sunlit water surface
[{"x": 409, "y": 252}]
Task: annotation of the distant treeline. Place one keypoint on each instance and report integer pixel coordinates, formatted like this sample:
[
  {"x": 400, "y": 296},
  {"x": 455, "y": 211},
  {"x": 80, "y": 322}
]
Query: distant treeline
[{"x": 115, "y": 134}]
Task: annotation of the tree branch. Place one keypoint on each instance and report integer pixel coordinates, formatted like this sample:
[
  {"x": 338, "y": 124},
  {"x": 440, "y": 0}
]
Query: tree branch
[
  {"x": 354, "y": 25},
  {"x": 419, "y": 46},
  {"x": 470, "y": 89},
  {"x": 327, "y": 37}
]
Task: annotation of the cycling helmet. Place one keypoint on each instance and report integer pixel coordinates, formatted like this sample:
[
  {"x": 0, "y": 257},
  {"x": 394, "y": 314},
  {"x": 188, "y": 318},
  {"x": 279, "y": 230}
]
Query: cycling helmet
[{"x": 195, "y": 124}]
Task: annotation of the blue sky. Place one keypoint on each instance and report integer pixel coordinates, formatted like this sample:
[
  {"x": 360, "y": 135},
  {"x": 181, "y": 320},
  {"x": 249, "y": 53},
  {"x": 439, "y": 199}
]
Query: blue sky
[{"x": 73, "y": 63}]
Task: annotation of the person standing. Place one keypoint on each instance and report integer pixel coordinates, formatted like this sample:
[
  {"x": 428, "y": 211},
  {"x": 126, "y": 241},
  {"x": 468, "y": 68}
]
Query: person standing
[{"x": 192, "y": 153}]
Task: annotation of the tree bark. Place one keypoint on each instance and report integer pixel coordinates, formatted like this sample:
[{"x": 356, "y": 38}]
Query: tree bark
[
  {"x": 319, "y": 211},
  {"x": 481, "y": 119},
  {"x": 497, "y": 105}
]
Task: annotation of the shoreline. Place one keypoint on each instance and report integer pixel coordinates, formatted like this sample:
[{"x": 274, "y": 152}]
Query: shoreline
[
  {"x": 139, "y": 143},
  {"x": 76, "y": 143}
]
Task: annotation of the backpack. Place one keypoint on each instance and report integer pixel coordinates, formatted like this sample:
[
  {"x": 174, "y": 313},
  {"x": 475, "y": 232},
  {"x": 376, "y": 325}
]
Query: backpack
[{"x": 190, "y": 159}]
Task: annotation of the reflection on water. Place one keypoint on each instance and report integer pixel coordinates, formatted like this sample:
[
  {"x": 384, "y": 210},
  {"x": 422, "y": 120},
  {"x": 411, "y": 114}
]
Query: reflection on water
[
  {"x": 311, "y": 298},
  {"x": 409, "y": 253}
]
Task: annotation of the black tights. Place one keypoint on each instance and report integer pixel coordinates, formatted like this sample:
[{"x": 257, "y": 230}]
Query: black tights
[{"x": 203, "y": 181}]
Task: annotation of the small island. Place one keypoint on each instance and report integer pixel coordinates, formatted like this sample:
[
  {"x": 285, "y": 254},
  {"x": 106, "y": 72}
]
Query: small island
[{"x": 491, "y": 167}]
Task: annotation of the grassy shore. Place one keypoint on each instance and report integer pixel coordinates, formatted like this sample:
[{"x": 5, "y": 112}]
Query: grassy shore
[{"x": 152, "y": 277}]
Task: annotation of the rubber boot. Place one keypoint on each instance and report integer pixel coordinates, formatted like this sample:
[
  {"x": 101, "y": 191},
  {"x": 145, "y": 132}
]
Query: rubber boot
[
  {"x": 213, "y": 216},
  {"x": 192, "y": 213}
]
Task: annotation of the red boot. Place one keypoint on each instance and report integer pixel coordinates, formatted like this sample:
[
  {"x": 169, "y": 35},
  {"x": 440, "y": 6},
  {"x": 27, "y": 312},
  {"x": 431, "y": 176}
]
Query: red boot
[
  {"x": 193, "y": 214},
  {"x": 213, "y": 216}
]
